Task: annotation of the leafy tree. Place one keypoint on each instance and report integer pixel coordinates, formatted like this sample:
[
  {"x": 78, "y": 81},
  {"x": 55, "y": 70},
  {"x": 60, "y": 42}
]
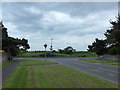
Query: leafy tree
[
  {"x": 111, "y": 44},
  {"x": 54, "y": 51},
  {"x": 113, "y": 34},
  {"x": 61, "y": 51},
  {"x": 67, "y": 50},
  {"x": 114, "y": 50},
  {"x": 12, "y": 45},
  {"x": 99, "y": 46}
]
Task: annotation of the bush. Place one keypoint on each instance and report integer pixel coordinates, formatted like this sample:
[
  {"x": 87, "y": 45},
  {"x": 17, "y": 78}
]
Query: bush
[
  {"x": 15, "y": 52},
  {"x": 48, "y": 55},
  {"x": 114, "y": 50},
  {"x": 83, "y": 55}
]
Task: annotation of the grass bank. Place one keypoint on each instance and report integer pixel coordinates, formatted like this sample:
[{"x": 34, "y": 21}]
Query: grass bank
[
  {"x": 47, "y": 74},
  {"x": 108, "y": 62}
]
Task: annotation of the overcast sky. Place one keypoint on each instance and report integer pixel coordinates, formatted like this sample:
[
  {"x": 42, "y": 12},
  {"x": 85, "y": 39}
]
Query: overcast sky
[{"x": 68, "y": 24}]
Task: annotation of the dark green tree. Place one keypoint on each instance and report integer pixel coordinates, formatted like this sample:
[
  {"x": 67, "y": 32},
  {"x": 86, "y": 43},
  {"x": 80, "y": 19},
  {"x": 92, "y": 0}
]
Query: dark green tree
[
  {"x": 69, "y": 50},
  {"x": 113, "y": 37},
  {"x": 113, "y": 34},
  {"x": 98, "y": 46},
  {"x": 111, "y": 44},
  {"x": 12, "y": 45}
]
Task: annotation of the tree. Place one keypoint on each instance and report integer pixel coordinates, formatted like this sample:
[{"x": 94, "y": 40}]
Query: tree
[
  {"x": 68, "y": 50},
  {"x": 10, "y": 44},
  {"x": 111, "y": 44},
  {"x": 113, "y": 34},
  {"x": 99, "y": 46},
  {"x": 61, "y": 51}
]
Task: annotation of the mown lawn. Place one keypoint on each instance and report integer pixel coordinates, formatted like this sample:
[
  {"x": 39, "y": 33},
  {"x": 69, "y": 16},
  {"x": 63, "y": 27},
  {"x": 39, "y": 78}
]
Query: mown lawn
[
  {"x": 35, "y": 62},
  {"x": 109, "y": 62},
  {"x": 6, "y": 63},
  {"x": 51, "y": 75}
]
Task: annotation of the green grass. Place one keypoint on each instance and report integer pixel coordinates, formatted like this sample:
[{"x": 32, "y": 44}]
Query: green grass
[
  {"x": 56, "y": 54},
  {"x": 36, "y": 62},
  {"x": 28, "y": 54},
  {"x": 6, "y": 63},
  {"x": 108, "y": 62},
  {"x": 48, "y": 75},
  {"x": 37, "y": 55}
]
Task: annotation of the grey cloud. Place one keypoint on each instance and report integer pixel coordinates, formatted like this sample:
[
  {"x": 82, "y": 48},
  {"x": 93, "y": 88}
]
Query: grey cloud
[
  {"x": 119, "y": 7},
  {"x": 76, "y": 22}
]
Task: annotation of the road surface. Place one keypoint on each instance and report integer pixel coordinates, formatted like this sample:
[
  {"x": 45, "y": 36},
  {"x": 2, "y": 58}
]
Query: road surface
[
  {"x": 107, "y": 72},
  {"x": 8, "y": 70}
]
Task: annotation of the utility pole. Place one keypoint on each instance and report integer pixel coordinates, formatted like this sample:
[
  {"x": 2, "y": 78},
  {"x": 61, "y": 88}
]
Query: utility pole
[
  {"x": 45, "y": 50},
  {"x": 51, "y": 47}
]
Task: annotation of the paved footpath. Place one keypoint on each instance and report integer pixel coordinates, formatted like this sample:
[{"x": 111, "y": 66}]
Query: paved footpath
[
  {"x": 107, "y": 72},
  {"x": 8, "y": 70}
]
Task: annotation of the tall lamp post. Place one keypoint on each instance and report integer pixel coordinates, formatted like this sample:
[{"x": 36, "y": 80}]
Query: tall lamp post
[{"x": 45, "y": 50}]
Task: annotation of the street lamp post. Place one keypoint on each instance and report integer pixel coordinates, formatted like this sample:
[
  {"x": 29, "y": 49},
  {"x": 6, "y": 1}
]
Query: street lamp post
[{"x": 45, "y": 50}]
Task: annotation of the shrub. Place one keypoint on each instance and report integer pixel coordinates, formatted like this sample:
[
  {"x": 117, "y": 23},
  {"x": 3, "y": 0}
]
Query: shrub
[
  {"x": 48, "y": 55},
  {"x": 114, "y": 50}
]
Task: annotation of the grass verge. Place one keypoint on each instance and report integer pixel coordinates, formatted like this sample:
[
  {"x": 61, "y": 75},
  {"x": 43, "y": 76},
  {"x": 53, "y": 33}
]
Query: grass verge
[
  {"x": 36, "y": 62},
  {"x": 48, "y": 75},
  {"x": 108, "y": 62},
  {"x": 6, "y": 63}
]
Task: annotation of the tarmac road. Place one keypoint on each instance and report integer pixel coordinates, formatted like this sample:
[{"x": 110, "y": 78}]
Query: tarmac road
[
  {"x": 107, "y": 72},
  {"x": 8, "y": 70}
]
